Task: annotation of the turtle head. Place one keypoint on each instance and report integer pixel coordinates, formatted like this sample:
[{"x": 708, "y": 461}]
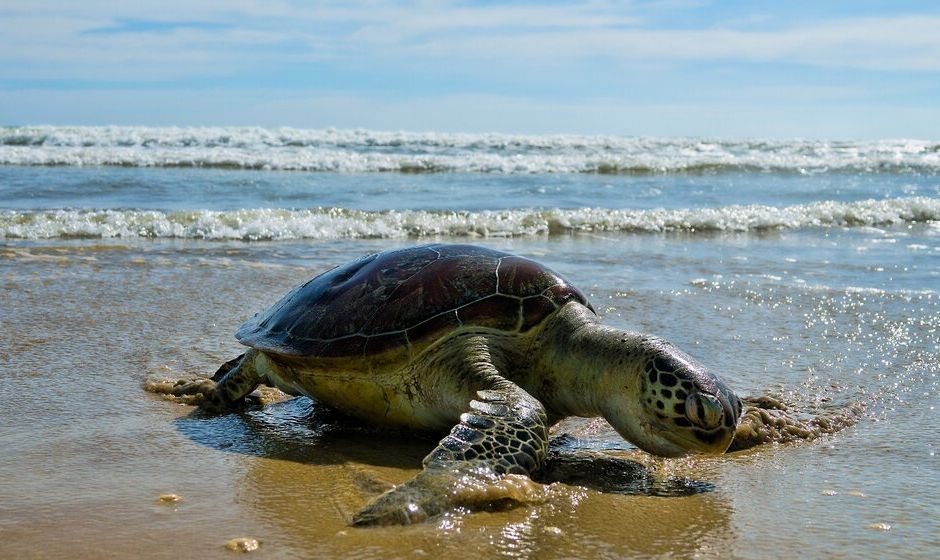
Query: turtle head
[{"x": 676, "y": 407}]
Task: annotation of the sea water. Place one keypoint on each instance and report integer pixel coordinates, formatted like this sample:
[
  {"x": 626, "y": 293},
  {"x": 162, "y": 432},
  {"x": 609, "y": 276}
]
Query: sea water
[{"x": 808, "y": 270}]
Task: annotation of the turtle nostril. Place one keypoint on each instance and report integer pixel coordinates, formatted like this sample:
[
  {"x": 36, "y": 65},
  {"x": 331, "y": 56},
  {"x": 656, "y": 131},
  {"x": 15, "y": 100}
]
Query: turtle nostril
[{"x": 704, "y": 410}]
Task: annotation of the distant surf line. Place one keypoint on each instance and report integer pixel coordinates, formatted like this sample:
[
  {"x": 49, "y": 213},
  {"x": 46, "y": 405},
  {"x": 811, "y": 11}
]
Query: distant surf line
[{"x": 365, "y": 151}]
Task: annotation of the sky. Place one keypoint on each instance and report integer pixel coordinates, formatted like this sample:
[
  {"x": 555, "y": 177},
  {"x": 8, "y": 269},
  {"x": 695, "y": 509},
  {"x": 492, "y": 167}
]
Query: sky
[{"x": 795, "y": 69}]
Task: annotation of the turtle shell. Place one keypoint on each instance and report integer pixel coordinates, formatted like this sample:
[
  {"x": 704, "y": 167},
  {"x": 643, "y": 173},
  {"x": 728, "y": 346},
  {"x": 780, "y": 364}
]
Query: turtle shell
[{"x": 408, "y": 297}]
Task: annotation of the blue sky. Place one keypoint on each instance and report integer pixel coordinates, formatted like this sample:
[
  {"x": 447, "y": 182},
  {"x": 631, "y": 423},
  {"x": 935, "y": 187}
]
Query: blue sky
[{"x": 661, "y": 68}]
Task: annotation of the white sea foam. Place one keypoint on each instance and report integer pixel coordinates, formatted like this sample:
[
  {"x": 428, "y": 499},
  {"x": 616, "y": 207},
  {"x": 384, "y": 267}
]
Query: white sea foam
[
  {"x": 337, "y": 223},
  {"x": 360, "y": 151}
]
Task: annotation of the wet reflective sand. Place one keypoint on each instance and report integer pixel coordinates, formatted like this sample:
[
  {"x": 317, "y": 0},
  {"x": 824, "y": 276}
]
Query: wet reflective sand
[{"x": 87, "y": 454}]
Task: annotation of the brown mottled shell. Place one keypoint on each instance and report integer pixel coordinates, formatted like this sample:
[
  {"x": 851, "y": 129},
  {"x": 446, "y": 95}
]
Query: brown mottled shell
[{"x": 407, "y": 297}]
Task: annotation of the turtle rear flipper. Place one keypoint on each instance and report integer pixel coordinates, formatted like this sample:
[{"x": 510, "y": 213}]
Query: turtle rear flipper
[{"x": 504, "y": 433}]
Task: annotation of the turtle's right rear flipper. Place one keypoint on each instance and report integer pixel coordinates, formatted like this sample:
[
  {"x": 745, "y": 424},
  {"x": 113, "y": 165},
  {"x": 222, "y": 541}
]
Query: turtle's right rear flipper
[{"x": 226, "y": 367}]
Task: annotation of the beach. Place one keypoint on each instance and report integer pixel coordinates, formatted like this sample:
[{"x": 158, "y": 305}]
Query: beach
[{"x": 808, "y": 270}]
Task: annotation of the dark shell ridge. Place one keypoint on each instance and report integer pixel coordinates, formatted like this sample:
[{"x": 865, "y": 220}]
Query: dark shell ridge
[{"x": 401, "y": 297}]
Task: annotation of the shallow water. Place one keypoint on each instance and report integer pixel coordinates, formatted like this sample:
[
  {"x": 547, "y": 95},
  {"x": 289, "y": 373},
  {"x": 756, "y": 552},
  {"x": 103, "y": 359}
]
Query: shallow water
[
  {"x": 87, "y": 452},
  {"x": 820, "y": 315}
]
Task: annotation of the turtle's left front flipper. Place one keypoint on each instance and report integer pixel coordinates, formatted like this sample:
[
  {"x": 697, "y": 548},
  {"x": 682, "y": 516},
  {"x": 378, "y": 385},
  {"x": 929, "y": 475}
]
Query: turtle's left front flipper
[{"x": 504, "y": 433}]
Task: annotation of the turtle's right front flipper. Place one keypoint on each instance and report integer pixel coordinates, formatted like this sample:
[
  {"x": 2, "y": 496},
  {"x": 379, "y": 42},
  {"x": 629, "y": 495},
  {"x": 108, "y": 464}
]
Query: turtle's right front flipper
[{"x": 504, "y": 433}]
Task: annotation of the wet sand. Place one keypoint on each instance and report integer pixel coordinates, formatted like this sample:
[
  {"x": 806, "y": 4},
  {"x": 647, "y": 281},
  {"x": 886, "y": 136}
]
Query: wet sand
[{"x": 87, "y": 454}]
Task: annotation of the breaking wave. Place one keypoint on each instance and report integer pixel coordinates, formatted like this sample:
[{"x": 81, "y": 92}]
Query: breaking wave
[
  {"x": 364, "y": 151},
  {"x": 339, "y": 223}
]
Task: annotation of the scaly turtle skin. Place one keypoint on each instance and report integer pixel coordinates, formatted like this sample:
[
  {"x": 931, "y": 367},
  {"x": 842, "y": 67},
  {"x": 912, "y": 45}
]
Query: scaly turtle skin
[{"x": 493, "y": 346}]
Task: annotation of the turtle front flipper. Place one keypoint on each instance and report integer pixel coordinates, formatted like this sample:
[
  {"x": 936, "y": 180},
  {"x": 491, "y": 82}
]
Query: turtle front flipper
[{"x": 504, "y": 433}]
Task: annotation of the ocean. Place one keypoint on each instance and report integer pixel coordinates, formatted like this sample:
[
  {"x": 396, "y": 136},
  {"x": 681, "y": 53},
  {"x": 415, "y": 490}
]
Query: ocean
[{"x": 804, "y": 269}]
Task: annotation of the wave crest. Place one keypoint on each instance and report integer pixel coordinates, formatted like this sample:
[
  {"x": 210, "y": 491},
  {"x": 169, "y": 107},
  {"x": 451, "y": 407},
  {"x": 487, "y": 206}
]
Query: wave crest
[
  {"x": 339, "y": 223},
  {"x": 364, "y": 151}
]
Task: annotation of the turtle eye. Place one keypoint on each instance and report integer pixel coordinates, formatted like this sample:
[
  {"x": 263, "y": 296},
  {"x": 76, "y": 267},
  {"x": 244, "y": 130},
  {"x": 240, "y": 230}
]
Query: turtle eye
[{"x": 703, "y": 410}]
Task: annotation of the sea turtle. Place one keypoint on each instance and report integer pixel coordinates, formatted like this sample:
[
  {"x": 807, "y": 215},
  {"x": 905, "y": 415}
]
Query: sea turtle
[{"x": 492, "y": 346}]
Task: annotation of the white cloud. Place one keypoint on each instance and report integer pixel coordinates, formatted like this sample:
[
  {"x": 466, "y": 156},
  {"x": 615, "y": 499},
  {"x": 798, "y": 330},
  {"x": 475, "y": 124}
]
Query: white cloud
[
  {"x": 52, "y": 39},
  {"x": 901, "y": 43},
  {"x": 495, "y": 53}
]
